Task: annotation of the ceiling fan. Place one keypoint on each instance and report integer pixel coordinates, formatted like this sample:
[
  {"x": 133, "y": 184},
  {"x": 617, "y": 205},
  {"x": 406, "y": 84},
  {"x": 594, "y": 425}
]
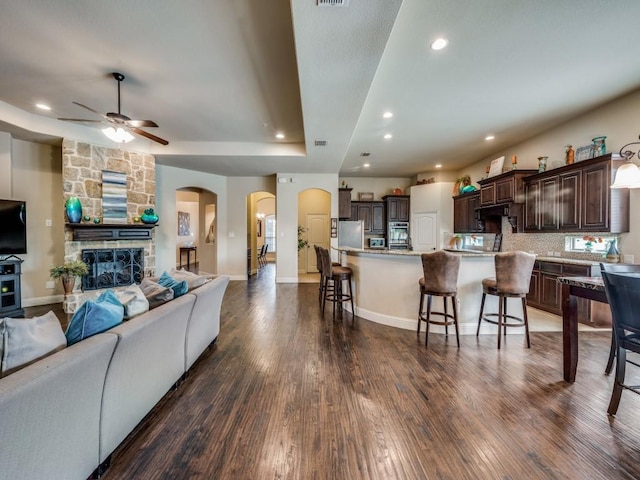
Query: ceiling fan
[{"x": 118, "y": 120}]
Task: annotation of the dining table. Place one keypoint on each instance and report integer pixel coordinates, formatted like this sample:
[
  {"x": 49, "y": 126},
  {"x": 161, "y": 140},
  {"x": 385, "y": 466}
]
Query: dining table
[{"x": 591, "y": 288}]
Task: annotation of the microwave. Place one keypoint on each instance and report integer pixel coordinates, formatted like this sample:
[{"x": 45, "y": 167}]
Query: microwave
[{"x": 376, "y": 243}]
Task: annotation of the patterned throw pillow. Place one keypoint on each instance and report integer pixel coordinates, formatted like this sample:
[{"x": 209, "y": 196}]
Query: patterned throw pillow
[
  {"x": 25, "y": 340},
  {"x": 178, "y": 287},
  {"x": 95, "y": 316}
]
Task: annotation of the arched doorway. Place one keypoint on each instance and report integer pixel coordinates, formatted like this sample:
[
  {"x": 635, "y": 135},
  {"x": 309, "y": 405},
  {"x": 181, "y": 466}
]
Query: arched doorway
[
  {"x": 261, "y": 229},
  {"x": 197, "y": 226},
  {"x": 314, "y": 217}
]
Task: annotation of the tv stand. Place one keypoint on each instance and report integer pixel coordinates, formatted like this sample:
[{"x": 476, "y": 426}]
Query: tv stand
[{"x": 10, "y": 297}]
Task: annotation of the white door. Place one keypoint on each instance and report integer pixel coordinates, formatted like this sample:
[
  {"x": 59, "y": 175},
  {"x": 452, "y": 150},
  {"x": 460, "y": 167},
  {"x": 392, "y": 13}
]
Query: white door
[
  {"x": 317, "y": 234},
  {"x": 424, "y": 231}
]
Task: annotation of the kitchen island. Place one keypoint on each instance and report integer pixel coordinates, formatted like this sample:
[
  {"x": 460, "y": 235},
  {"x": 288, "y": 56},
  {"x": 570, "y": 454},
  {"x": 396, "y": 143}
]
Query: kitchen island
[{"x": 387, "y": 292}]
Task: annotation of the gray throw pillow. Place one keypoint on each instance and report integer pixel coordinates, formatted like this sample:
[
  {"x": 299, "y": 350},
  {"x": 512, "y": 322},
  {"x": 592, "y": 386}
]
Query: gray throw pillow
[
  {"x": 193, "y": 280},
  {"x": 155, "y": 293},
  {"x": 25, "y": 340}
]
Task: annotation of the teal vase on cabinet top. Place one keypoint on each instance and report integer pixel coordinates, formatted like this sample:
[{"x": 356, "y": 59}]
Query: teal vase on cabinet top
[
  {"x": 73, "y": 208},
  {"x": 149, "y": 216}
]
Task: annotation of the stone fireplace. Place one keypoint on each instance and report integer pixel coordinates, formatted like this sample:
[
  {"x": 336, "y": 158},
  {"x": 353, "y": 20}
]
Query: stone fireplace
[{"x": 82, "y": 167}]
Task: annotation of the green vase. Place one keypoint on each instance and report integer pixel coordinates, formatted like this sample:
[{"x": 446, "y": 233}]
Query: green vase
[
  {"x": 73, "y": 208},
  {"x": 149, "y": 216}
]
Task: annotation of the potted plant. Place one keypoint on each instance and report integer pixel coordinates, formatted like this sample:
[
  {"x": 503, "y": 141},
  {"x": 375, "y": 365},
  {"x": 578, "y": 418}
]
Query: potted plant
[
  {"x": 68, "y": 273},
  {"x": 302, "y": 242}
]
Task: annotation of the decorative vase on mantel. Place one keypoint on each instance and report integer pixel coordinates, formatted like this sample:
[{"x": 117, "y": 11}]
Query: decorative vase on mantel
[
  {"x": 73, "y": 208},
  {"x": 149, "y": 217}
]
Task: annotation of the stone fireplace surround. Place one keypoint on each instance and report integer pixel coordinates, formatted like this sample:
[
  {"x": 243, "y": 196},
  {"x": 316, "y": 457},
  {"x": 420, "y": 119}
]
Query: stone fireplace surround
[{"x": 82, "y": 166}]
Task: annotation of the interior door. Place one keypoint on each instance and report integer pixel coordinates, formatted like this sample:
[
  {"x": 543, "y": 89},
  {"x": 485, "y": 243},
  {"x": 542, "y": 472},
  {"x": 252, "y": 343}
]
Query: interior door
[
  {"x": 317, "y": 234},
  {"x": 424, "y": 231}
]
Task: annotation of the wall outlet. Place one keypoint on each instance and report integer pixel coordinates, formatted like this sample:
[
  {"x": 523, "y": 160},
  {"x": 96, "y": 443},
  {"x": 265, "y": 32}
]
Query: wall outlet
[
  {"x": 628, "y": 258},
  {"x": 51, "y": 284},
  {"x": 48, "y": 222},
  {"x": 549, "y": 254},
  {"x": 556, "y": 254}
]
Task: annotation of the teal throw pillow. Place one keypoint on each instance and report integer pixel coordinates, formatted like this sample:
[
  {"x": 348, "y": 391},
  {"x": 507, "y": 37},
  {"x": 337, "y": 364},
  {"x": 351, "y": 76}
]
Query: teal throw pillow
[
  {"x": 179, "y": 288},
  {"x": 95, "y": 316}
]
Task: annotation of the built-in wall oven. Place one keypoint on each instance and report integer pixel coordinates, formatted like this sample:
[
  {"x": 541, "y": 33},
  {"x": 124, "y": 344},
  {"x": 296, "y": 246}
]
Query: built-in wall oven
[{"x": 398, "y": 235}]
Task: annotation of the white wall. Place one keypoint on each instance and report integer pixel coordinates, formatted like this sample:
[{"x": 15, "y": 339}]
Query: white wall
[
  {"x": 287, "y": 215},
  {"x": 5, "y": 166},
  {"x": 170, "y": 179}
]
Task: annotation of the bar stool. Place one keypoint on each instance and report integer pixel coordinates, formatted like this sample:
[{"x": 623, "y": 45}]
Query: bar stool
[
  {"x": 336, "y": 274},
  {"x": 440, "y": 279},
  {"x": 513, "y": 275}
]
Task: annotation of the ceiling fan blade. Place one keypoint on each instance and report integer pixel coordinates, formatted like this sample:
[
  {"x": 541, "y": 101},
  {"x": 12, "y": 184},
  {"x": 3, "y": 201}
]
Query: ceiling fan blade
[
  {"x": 91, "y": 110},
  {"x": 150, "y": 136},
  {"x": 141, "y": 123},
  {"x": 80, "y": 120}
]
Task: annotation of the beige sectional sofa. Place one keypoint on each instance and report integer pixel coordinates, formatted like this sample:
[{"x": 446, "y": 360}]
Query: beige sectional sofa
[{"x": 62, "y": 417}]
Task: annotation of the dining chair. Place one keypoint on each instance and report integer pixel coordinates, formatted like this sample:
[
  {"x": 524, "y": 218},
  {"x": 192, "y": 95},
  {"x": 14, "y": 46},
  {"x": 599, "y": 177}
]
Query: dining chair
[
  {"x": 616, "y": 268},
  {"x": 623, "y": 295}
]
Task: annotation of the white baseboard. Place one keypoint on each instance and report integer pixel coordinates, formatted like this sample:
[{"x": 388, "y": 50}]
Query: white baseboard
[
  {"x": 37, "y": 301},
  {"x": 286, "y": 279}
]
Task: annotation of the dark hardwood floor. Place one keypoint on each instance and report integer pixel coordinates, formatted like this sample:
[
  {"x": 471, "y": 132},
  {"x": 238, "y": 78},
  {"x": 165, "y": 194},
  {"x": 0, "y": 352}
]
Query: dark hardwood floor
[{"x": 289, "y": 394}]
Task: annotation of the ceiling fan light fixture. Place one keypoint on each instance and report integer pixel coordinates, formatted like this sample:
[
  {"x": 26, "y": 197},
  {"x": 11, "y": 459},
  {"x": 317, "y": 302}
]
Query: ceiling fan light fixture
[{"x": 119, "y": 135}]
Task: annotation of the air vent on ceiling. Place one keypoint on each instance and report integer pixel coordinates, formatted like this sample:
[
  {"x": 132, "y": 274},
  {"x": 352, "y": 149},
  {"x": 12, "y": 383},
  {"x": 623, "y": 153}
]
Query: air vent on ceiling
[
  {"x": 365, "y": 154},
  {"x": 321, "y": 143},
  {"x": 333, "y": 3}
]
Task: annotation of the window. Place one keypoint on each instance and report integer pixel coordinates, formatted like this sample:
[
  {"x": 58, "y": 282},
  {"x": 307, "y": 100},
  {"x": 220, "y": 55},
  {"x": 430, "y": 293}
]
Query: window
[
  {"x": 588, "y": 243},
  {"x": 270, "y": 232}
]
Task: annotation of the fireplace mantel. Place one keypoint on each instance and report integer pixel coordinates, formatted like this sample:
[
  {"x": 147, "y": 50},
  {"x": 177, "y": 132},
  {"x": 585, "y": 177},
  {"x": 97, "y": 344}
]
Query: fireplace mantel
[{"x": 105, "y": 231}]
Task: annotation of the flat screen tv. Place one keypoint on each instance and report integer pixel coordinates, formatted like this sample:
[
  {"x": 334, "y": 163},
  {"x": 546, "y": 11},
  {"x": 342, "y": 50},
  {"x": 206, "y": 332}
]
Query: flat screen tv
[{"x": 13, "y": 227}]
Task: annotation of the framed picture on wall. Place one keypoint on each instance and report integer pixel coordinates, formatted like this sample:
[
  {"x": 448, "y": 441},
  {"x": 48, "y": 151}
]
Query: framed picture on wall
[{"x": 184, "y": 224}]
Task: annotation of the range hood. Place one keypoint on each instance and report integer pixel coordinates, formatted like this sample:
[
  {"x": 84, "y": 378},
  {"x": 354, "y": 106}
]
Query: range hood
[{"x": 491, "y": 217}]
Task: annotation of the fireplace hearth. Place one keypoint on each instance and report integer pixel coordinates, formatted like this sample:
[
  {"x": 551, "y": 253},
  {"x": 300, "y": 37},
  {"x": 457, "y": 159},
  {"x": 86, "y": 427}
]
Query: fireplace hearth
[{"x": 112, "y": 267}]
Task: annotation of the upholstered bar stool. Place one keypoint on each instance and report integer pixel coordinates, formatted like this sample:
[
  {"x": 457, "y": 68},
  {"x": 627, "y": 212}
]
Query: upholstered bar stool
[
  {"x": 440, "y": 279},
  {"x": 334, "y": 275},
  {"x": 513, "y": 275}
]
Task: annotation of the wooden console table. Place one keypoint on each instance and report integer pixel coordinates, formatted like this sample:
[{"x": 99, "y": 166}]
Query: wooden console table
[
  {"x": 591, "y": 288},
  {"x": 189, "y": 250}
]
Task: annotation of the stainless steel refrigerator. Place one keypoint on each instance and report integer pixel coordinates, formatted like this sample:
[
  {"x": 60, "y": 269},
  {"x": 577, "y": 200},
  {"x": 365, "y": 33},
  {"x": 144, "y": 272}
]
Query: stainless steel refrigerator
[{"x": 351, "y": 234}]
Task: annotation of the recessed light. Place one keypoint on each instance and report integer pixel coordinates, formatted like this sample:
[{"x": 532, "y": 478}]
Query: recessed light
[
  {"x": 387, "y": 114},
  {"x": 489, "y": 137},
  {"x": 439, "y": 165},
  {"x": 366, "y": 165},
  {"x": 42, "y": 106},
  {"x": 388, "y": 136},
  {"x": 439, "y": 44},
  {"x": 280, "y": 135}
]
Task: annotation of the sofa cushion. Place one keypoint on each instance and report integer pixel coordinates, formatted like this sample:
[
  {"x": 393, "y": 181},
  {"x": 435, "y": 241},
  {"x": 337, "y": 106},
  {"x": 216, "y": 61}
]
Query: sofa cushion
[
  {"x": 178, "y": 287},
  {"x": 155, "y": 293},
  {"x": 95, "y": 316},
  {"x": 25, "y": 340},
  {"x": 133, "y": 300},
  {"x": 193, "y": 280}
]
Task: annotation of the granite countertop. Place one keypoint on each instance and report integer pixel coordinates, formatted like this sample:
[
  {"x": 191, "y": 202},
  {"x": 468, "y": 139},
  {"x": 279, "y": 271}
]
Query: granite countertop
[
  {"x": 409, "y": 253},
  {"x": 592, "y": 283},
  {"x": 571, "y": 261}
]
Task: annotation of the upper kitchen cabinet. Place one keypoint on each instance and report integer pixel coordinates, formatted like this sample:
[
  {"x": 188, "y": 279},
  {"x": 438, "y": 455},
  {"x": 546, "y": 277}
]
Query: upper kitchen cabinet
[
  {"x": 397, "y": 207},
  {"x": 504, "y": 188},
  {"x": 344, "y": 203},
  {"x": 371, "y": 214},
  {"x": 465, "y": 215},
  {"x": 577, "y": 198}
]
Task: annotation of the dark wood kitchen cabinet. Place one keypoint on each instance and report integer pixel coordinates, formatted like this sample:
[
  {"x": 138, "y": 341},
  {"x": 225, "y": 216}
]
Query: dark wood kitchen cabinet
[
  {"x": 504, "y": 188},
  {"x": 397, "y": 207},
  {"x": 344, "y": 203},
  {"x": 371, "y": 214},
  {"x": 577, "y": 198},
  {"x": 545, "y": 293},
  {"x": 465, "y": 216}
]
